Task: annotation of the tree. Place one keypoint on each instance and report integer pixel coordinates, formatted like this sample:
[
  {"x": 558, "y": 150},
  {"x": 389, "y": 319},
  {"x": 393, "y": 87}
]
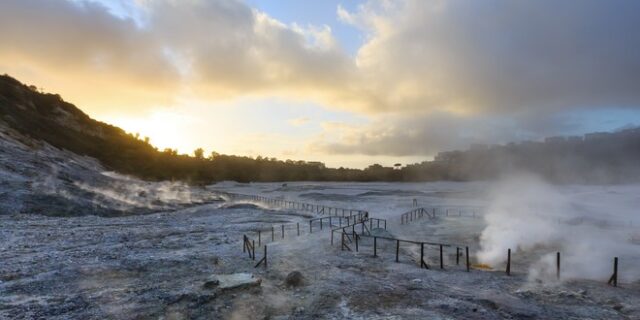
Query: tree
[
  {"x": 199, "y": 153},
  {"x": 170, "y": 151}
]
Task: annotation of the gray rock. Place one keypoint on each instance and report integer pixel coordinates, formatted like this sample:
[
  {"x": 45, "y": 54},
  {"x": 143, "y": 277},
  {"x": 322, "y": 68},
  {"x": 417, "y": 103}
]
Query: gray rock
[{"x": 294, "y": 279}]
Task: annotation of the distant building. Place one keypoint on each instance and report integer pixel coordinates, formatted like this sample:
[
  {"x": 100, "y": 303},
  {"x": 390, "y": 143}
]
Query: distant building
[
  {"x": 596, "y": 136},
  {"x": 555, "y": 140},
  {"x": 478, "y": 147},
  {"x": 448, "y": 156},
  {"x": 574, "y": 139}
]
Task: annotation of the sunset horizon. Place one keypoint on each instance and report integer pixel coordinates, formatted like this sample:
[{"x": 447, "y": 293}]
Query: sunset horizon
[{"x": 347, "y": 83}]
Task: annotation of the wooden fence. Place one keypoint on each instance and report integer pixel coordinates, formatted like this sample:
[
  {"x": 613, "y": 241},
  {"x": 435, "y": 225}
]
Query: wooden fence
[
  {"x": 433, "y": 212},
  {"x": 302, "y": 206},
  {"x": 350, "y": 221}
]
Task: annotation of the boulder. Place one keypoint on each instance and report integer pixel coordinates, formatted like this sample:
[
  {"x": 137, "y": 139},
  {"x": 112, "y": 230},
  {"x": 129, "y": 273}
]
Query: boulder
[{"x": 294, "y": 279}]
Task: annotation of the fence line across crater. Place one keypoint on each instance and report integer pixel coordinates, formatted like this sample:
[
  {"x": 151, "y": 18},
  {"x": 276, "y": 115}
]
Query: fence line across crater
[
  {"x": 359, "y": 219},
  {"x": 308, "y": 207},
  {"x": 433, "y": 212}
]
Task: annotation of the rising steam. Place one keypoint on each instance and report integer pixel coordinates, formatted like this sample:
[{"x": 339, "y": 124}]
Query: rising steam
[{"x": 536, "y": 219}]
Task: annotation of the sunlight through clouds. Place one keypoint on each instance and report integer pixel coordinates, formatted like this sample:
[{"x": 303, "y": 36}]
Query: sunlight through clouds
[{"x": 419, "y": 62}]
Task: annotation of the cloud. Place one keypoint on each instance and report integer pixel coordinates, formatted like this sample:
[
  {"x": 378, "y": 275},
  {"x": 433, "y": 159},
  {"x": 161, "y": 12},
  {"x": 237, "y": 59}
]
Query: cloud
[
  {"x": 425, "y": 67},
  {"x": 426, "y": 134},
  {"x": 298, "y": 122},
  {"x": 211, "y": 49},
  {"x": 500, "y": 56},
  {"x": 446, "y": 56},
  {"x": 254, "y": 54},
  {"x": 446, "y": 74},
  {"x": 83, "y": 48}
]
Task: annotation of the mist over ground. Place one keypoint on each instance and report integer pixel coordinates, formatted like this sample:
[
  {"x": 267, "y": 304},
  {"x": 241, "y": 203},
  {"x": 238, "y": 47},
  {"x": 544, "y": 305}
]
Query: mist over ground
[{"x": 588, "y": 225}]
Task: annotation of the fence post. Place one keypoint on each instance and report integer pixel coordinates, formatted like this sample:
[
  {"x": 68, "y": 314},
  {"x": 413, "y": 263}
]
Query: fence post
[
  {"x": 509, "y": 262},
  {"x": 441, "y": 258},
  {"x": 467, "y": 256},
  {"x": 298, "y": 227},
  {"x": 422, "y": 263},
  {"x": 457, "y": 256},
  {"x": 558, "y": 265},
  {"x": 614, "y": 277},
  {"x": 283, "y": 231},
  {"x": 310, "y": 228},
  {"x": 259, "y": 242},
  {"x": 375, "y": 247},
  {"x": 397, "y": 250},
  {"x": 355, "y": 235},
  {"x": 253, "y": 249},
  {"x": 264, "y": 259}
]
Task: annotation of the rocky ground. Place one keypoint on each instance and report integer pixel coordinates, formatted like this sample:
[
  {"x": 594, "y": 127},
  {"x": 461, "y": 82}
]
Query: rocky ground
[
  {"x": 37, "y": 178},
  {"x": 163, "y": 266}
]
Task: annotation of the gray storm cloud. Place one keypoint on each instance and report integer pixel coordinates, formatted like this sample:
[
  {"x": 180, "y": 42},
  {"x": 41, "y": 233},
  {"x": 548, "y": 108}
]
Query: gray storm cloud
[
  {"x": 454, "y": 73},
  {"x": 502, "y": 56}
]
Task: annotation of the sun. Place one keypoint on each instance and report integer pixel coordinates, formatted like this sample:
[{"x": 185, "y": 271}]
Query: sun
[{"x": 164, "y": 129}]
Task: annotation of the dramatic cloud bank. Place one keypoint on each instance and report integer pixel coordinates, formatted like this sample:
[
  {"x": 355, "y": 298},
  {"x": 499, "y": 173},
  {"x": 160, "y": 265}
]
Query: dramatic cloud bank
[
  {"x": 501, "y": 55},
  {"x": 426, "y": 64}
]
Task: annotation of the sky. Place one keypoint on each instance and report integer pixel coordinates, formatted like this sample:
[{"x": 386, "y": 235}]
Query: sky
[{"x": 345, "y": 82}]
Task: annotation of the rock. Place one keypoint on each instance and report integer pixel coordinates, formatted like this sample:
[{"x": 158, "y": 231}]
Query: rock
[
  {"x": 294, "y": 279},
  {"x": 212, "y": 283},
  {"x": 232, "y": 281}
]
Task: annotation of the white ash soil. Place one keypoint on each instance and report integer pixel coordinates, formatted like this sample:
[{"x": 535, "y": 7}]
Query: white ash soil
[
  {"x": 123, "y": 268},
  {"x": 36, "y": 177},
  {"x": 154, "y": 267}
]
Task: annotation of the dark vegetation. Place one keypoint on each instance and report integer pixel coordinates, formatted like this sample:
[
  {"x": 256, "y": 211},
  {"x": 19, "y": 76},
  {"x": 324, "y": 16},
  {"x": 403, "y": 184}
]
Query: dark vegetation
[{"x": 596, "y": 157}]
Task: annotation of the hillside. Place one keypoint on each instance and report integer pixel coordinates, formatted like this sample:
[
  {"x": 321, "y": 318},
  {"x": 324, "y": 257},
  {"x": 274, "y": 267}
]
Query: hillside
[{"x": 48, "y": 118}]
